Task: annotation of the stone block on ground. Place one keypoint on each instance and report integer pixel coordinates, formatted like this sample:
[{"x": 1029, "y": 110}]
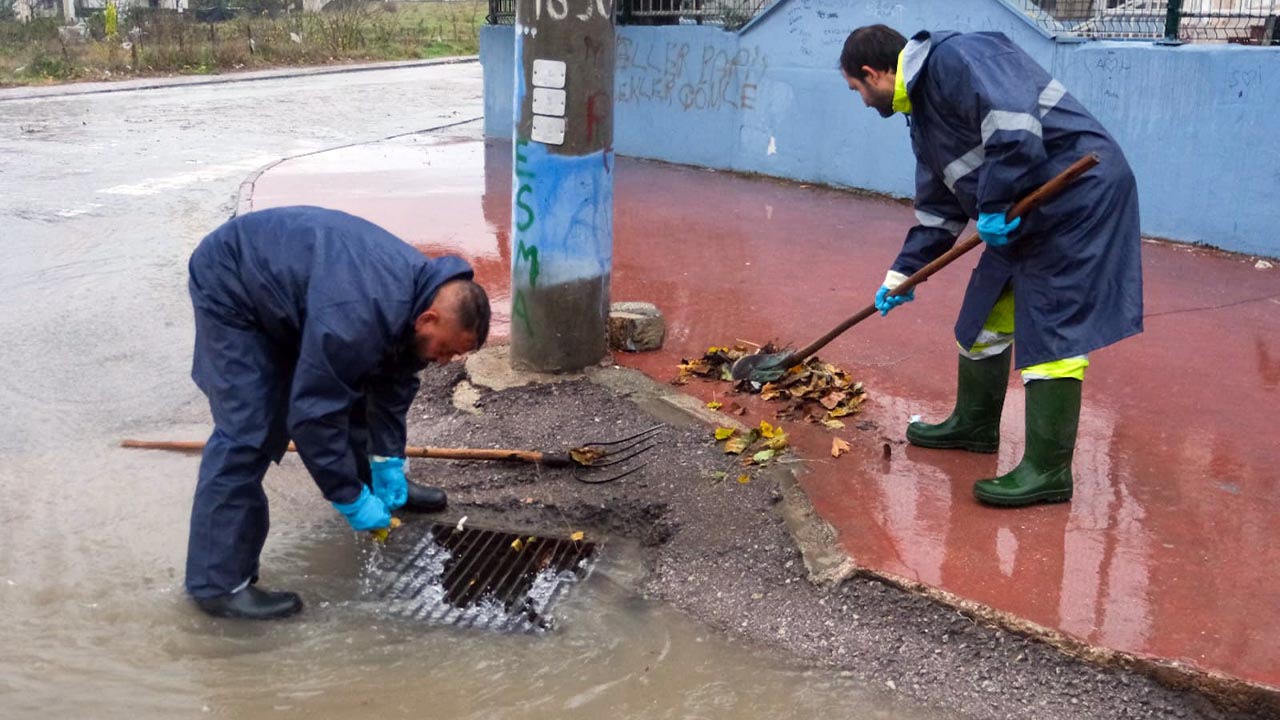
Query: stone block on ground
[{"x": 636, "y": 327}]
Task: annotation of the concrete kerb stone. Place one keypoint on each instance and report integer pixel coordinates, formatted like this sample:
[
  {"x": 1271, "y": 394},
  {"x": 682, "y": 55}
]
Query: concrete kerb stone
[
  {"x": 244, "y": 194},
  {"x": 117, "y": 86},
  {"x": 636, "y": 327}
]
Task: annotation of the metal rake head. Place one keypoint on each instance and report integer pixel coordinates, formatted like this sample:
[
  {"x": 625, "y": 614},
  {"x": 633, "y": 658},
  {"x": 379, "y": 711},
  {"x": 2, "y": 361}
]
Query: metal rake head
[{"x": 595, "y": 455}]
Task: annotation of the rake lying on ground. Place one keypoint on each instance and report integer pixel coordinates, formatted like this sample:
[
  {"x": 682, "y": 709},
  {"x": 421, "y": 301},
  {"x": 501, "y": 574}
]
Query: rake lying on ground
[{"x": 583, "y": 459}]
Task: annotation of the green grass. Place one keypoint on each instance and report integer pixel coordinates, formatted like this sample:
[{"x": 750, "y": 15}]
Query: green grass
[{"x": 33, "y": 53}]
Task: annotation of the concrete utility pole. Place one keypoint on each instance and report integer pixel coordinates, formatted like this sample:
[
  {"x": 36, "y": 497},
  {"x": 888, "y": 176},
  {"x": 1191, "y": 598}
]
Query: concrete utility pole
[{"x": 562, "y": 192}]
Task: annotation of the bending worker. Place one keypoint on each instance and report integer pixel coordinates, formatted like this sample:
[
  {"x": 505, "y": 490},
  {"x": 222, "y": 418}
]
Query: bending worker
[
  {"x": 988, "y": 126},
  {"x": 311, "y": 325}
]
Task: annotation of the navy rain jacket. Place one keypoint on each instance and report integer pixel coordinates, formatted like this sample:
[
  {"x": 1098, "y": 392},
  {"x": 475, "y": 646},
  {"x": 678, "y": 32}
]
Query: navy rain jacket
[
  {"x": 337, "y": 296},
  {"x": 988, "y": 126}
]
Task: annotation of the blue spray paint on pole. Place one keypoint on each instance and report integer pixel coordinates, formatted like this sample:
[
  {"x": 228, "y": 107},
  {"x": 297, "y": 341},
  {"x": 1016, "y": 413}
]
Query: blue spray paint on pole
[{"x": 562, "y": 189}]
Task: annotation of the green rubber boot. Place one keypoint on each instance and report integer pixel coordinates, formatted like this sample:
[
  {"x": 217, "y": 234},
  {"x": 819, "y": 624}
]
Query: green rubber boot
[
  {"x": 1044, "y": 475},
  {"x": 975, "y": 423}
]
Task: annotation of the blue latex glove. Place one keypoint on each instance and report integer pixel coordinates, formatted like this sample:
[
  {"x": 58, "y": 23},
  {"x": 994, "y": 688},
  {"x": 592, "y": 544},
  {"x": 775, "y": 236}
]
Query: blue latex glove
[
  {"x": 366, "y": 513},
  {"x": 389, "y": 483},
  {"x": 994, "y": 228},
  {"x": 884, "y": 303}
]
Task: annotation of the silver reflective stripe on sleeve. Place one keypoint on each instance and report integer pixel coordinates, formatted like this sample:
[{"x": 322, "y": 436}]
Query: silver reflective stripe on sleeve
[
  {"x": 962, "y": 166},
  {"x": 928, "y": 219},
  {"x": 998, "y": 120},
  {"x": 1050, "y": 97}
]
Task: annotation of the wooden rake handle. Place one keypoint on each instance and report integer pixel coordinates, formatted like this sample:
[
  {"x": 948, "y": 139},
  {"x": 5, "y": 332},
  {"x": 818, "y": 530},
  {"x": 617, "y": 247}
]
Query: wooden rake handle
[
  {"x": 527, "y": 456},
  {"x": 1032, "y": 201}
]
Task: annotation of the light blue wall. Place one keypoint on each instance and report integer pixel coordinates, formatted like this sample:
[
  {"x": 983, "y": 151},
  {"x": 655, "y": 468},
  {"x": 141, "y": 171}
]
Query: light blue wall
[{"x": 1199, "y": 123}]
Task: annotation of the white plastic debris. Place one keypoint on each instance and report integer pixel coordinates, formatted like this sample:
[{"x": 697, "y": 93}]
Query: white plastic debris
[
  {"x": 1263, "y": 265},
  {"x": 915, "y": 418},
  {"x": 461, "y": 522}
]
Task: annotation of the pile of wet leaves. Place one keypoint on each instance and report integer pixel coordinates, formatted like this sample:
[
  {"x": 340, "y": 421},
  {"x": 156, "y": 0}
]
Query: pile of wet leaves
[{"x": 813, "y": 391}]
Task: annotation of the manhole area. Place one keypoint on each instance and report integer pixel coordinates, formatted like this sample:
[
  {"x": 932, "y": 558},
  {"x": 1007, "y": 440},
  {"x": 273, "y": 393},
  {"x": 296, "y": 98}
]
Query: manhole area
[{"x": 475, "y": 577}]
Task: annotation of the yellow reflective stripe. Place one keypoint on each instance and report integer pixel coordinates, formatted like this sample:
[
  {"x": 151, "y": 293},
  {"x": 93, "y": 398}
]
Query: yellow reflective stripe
[
  {"x": 1072, "y": 367},
  {"x": 997, "y": 334},
  {"x": 901, "y": 103},
  {"x": 997, "y": 331},
  {"x": 1000, "y": 321}
]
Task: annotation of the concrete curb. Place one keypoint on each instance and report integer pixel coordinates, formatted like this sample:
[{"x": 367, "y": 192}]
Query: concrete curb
[
  {"x": 99, "y": 88},
  {"x": 1230, "y": 692},
  {"x": 244, "y": 194}
]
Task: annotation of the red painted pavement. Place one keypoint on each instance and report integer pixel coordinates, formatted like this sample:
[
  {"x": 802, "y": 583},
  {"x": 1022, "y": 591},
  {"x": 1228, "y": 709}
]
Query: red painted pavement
[{"x": 1170, "y": 548}]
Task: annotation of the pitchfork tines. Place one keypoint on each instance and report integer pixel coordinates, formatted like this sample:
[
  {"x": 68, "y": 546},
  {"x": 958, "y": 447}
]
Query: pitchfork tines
[{"x": 595, "y": 455}]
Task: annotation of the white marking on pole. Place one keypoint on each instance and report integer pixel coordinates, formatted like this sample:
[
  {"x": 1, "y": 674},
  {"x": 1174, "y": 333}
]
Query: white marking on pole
[
  {"x": 548, "y": 101},
  {"x": 549, "y": 73},
  {"x": 548, "y": 130}
]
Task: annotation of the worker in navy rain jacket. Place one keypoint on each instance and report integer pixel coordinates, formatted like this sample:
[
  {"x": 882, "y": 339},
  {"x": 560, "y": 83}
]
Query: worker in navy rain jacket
[
  {"x": 988, "y": 126},
  {"x": 311, "y": 325}
]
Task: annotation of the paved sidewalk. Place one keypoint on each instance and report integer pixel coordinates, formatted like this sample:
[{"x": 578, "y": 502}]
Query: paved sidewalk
[
  {"x": 28, "y": 92},
  {"x": 1171, "y": 545}
]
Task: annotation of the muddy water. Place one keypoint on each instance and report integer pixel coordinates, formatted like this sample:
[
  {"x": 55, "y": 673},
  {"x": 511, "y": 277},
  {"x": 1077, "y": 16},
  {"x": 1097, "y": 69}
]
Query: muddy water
[
  {"x": 104, "y": 198},
  {"x": 614, "y": 655}
]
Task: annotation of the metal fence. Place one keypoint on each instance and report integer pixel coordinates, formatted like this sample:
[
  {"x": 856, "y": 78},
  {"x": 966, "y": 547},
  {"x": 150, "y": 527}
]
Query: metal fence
[
  {"x": 1249, "y": 22},
  {"x": 731, "y": 14}
]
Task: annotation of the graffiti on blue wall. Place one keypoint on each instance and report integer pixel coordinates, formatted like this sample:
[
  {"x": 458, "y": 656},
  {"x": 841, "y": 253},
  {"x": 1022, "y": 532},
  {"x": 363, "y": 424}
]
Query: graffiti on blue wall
[{"x": 689, "y": 76}]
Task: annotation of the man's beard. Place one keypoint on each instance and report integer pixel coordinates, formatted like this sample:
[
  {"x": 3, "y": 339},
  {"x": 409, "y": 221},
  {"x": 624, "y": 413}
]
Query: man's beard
[{"x": 884, "y": 105}]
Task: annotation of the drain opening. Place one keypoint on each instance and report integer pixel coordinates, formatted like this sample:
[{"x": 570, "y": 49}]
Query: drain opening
[{"x": 486, "y": 578}]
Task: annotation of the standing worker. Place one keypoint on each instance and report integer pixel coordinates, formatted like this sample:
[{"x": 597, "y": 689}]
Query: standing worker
[
  {"x": 311, "y": 324},
  {"x": 988, "y": 126}
]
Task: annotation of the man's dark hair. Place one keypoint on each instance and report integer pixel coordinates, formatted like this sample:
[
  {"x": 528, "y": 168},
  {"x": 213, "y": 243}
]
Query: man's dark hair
[
  {"x": 873, "y": 46},
  {"x": 471, "y": 304}
]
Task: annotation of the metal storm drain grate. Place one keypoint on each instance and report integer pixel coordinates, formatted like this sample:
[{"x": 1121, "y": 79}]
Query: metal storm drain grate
[{"x": 486, "y": 578}]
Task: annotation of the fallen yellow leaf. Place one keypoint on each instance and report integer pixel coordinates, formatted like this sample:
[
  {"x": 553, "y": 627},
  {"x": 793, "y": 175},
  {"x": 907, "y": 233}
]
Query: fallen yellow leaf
[
  {"x": 577, "y": 537},
  {"x": 517, "y": 545},
  {"x": 381, "y": 534},
  {"x": 714, "y": 405},
  {"x": 724, "y": 433},
  {"x": 744, "y": 479},
  {"x": 586, "y": 456},
  {"x": 766, "y": 430},
  {"x": 779, "y": 440},
  {"x": 833, "y": 399},
  {"x": 739, "y": 444},
  {"x": 838, "y": 447},
  {"x": 833, "y": 424}
]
